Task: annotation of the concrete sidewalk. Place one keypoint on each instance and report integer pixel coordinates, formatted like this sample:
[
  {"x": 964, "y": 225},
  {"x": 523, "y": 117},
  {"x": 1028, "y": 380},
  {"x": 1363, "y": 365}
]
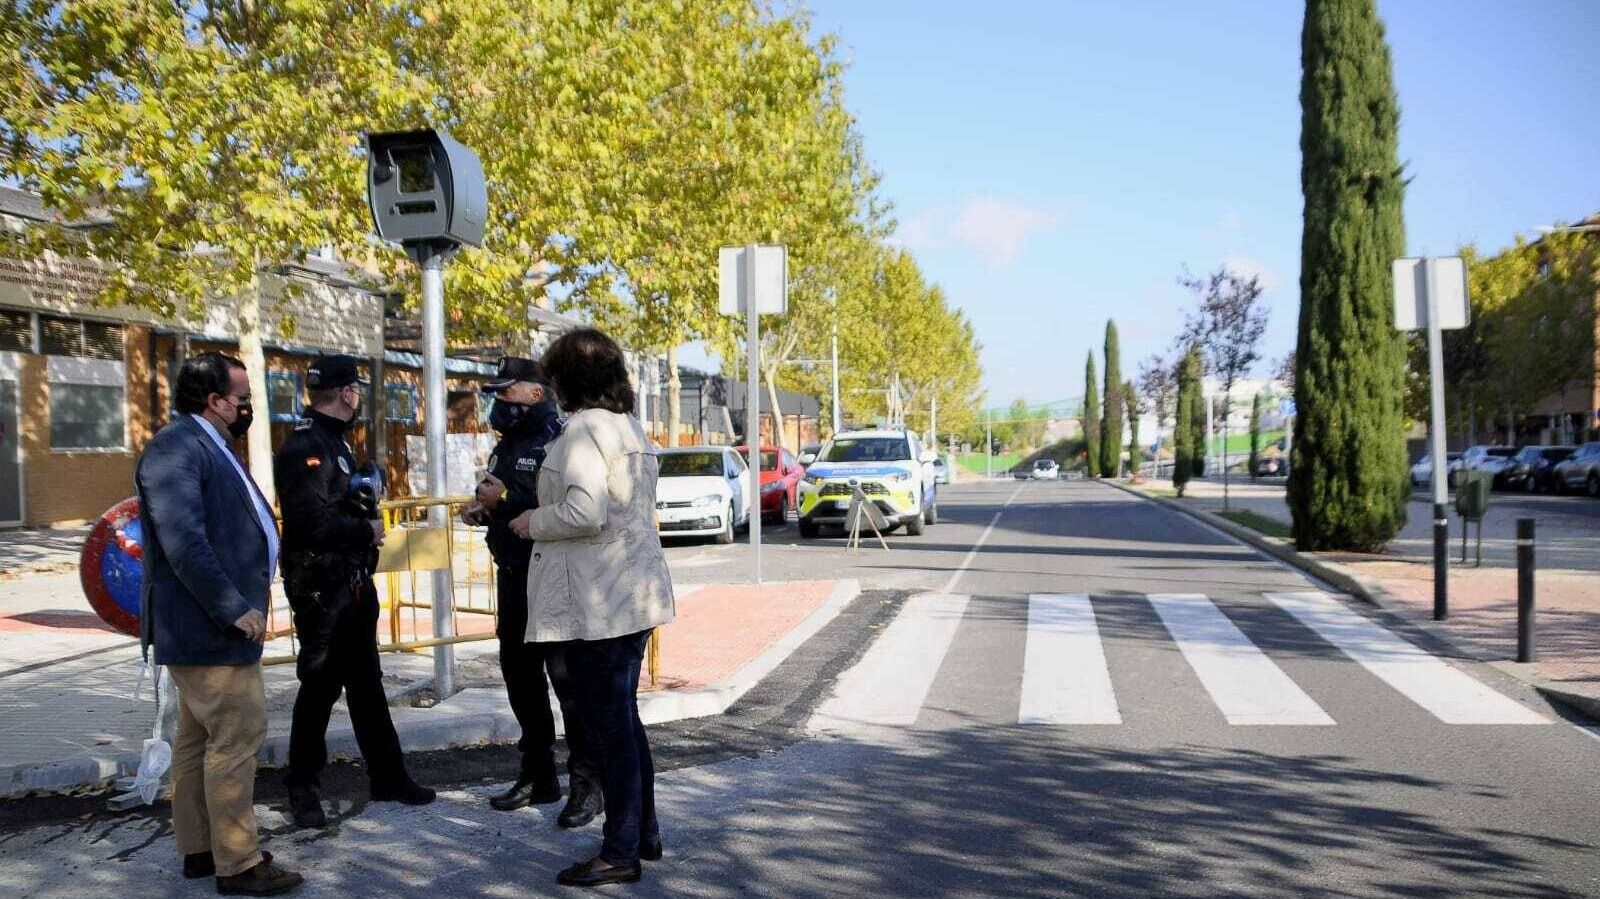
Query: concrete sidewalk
[
  {"x": 1483, "y": 603},
  {"x": 70, "y": 720}
]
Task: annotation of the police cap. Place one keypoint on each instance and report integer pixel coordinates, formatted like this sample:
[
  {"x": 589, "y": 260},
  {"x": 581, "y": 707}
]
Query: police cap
[
  {"x": 331, "y": 372},
  {"x": 512, "y": 370}
]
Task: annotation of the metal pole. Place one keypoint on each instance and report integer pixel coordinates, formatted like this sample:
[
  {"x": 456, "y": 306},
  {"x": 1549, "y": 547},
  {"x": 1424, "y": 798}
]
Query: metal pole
[
  {"x": 838, "y": 417},
  {"x": 752, "y": 426},
  {"x": 1441, "y": 520},
  {"x": 1525, "y": 567},
  {"x": 1211, "y": 441},
  {"x": 444, "y": 656}
]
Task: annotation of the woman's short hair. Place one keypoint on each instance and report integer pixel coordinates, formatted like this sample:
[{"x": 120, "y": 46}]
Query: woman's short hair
[
  {"x": 588, "y": 371},
  {"x": 202, "y": 375}
]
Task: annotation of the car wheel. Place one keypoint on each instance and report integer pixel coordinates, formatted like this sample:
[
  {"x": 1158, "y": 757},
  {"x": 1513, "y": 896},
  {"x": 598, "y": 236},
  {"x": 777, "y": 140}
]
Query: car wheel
[
  {"x": 726, "y": 537},
  {"x": 1594, "y": 485},
  {"x": 930, "y": 513},
  {"x": 808, "y": 530},
  {"x": 782, "y": 518},
  {"x": 915, "y": 526},
  {"x": 1528, "y": 485}
]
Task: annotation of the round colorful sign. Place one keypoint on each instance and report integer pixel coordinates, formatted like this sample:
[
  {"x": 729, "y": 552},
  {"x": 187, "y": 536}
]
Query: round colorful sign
[{"x": 110, "y": 568}]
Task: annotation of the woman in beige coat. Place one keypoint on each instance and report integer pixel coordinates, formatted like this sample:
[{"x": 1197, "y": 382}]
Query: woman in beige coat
[{"x": 598, "y": 584}]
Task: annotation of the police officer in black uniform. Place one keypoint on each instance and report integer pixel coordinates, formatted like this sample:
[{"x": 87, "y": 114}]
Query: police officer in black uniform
[
  {"x": 331, "y": 535},
  {"x": 525, "y": 415}
]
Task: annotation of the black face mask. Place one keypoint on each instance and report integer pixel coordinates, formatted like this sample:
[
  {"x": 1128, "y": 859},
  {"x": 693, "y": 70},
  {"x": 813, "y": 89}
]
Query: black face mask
[
  {"x": 241, "y": 424},
  {"x": 504, "y": 415}
]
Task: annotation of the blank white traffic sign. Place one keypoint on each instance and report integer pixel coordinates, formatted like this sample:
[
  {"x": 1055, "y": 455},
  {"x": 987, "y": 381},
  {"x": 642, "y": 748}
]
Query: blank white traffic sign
[{"x": 1446, "y": 276}]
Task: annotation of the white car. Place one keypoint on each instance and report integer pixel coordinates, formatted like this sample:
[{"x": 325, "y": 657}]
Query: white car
[
  {"x": 703, "y": 491},
  {"x": 890, "y": 467},
  {"x": 1046, "y": 470}
]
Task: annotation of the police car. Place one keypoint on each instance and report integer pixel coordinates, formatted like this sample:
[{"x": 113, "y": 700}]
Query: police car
[{"x": 890, "y": 466}]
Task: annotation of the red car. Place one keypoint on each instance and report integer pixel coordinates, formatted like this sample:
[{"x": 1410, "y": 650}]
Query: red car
[{"x": 780, "y": 482}]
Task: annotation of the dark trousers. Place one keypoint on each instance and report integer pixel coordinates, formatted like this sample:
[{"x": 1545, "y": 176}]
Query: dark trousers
[
  {"x": 606, "y": 674},
  {"x": 524, "y": 667},
  {"x": 336, "y": 628}
]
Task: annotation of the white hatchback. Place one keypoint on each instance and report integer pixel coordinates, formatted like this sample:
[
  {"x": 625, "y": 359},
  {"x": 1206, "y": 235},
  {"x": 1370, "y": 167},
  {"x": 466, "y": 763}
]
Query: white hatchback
[{"x": 702, "y": 491}]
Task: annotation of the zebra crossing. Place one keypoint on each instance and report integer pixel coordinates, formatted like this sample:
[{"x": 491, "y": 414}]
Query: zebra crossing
[{"x": 1066, "y": 678}]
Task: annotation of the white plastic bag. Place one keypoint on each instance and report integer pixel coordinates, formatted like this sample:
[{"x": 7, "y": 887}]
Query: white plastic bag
[{"x": 156, "y": 758}]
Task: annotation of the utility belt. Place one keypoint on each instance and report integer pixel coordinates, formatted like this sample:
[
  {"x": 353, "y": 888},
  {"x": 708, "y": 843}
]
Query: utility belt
[{"x": 315, "y": 573}]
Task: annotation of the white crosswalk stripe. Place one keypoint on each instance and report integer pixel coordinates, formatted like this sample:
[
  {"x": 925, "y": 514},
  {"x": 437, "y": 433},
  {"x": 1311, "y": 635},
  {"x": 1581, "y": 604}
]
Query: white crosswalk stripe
[
  {"x": 1247, "y": 687},
  {"x": 1064, "y": 675},
  {"x": 1450, "y": 694},
  {"x": 1066, "y": 678}
]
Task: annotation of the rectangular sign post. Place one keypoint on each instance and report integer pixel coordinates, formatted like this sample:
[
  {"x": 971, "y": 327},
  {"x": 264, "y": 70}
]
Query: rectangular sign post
[
  {"x": 1432, "y": 294},
  {"x": 754, "y": 279}
]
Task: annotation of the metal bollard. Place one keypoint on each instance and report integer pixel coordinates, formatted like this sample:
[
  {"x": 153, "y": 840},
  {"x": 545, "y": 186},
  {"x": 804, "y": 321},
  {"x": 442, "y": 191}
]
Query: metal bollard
[
  {"x": 1441, "y": 564},
  {"x": 1525, "y": 650}
]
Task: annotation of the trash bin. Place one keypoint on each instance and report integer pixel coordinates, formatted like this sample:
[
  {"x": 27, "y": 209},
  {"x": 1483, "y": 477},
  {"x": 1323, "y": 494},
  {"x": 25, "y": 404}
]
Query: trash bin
[{"x": 1472, "y": 494}]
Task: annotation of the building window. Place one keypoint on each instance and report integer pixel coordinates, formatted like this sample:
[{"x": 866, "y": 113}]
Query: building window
[
  {"x": 16, "y": 331},
  {"x": 283, "y": 395},
  {"x": 79, "y": 338},
  {"x": 88, "y": 404},
  {"x": 400, "y": 404}
]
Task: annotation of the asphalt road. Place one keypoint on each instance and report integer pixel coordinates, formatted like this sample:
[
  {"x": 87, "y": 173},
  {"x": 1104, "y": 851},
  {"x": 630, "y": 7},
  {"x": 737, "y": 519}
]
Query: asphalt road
[{"x": 1203, "y": 722}]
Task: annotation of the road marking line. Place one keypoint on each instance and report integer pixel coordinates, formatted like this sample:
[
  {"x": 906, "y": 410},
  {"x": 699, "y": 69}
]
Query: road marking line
[
  {"x": 890, "y": 683},
  {"x": 1450, "y": 694},
  {"x": 1592, "y": 733},
  {"x": 1065, "y": 679},
  {"x": 955, "y": 576},
  {"x": 1247, "y": 686}
]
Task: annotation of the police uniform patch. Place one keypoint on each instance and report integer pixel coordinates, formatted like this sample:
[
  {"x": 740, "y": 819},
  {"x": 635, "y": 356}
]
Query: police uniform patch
[
  {"x": 493, "y": 460},
  {"x": 344, "y": 465},
  {"x": 303, "y": 424},
  {"x": 527, "y": 464}
]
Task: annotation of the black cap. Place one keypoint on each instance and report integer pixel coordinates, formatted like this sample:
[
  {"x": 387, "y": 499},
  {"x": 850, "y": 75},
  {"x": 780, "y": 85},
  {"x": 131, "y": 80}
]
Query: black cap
[
  {"x": 512, "y": 370},
  {"x": 330, "y": 372}
]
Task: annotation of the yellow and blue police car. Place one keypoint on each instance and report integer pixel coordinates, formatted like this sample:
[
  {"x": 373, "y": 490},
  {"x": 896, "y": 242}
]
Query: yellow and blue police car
[{"x": 893, "y": 470}]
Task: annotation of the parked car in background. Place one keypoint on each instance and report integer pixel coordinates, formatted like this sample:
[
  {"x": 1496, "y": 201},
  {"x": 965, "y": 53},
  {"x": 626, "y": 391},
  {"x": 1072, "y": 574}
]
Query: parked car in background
[
  {"x": 1422, "y": 470},
  {"x": 702, "y": 492},
  {"x": 1580, "y": 471},
  {"x": 1021, "y": 474},
  {"x": 1046, "y": 470},
  {"x": 941, "y": 470},
  {"x": 780, "y": 482},
  {"x": 1533, "y": 468},
  {"x": 1272, "y": 466},
  {"x": 1492, "y": 460}
]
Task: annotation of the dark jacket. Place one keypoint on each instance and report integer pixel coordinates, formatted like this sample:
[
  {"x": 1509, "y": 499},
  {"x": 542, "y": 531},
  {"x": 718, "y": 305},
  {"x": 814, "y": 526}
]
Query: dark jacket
[
  {"x": 516, "y": 462},
  {"x": 204, "y": 554},
  {"x": 312, "y": 470}
]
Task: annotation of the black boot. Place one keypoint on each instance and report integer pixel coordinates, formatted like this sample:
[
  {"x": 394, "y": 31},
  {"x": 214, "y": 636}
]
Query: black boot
[
  {"x": 528, "y": 790},
  {"x": 585, "y": 802},
  {"x": 265, "y": 879},
  {"x": 404, "y": 791},
  {"x": 305, "y": 806}
]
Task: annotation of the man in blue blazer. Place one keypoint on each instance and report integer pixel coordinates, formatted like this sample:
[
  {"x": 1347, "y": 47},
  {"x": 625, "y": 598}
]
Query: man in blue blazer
[{"x": 210, "y": 549}]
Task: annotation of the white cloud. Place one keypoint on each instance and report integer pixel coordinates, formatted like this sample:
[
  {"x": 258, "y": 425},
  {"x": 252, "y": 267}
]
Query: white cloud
[
  {"x": 1247, "y": 266},
  {"x": 997, "y": 230}
]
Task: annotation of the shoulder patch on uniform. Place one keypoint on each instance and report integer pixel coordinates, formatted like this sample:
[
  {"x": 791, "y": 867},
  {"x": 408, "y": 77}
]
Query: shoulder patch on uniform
[
  {"x": 344, "y": 465},
  {"x": 303, "y": 424},
  {"x": 313, "y": 462},
  {"x": 493, "y": 461}
]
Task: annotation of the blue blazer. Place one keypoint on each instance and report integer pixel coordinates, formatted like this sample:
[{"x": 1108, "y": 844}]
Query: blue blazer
[{"x": 205, "y": 555}]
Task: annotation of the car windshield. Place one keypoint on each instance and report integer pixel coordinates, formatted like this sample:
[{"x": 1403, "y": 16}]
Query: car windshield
[
  {"x": 1502, "y": 451},
  {"x": 689, "y": 465},
  {"x": 1557, "y": 453},
  {"x": 1529, "y": 454},
  {"x": 1043, "y": 463},
  {"x": 868, "y": 449}
]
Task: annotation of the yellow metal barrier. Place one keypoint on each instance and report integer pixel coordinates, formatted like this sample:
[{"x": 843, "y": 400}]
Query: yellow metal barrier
[{"x": 411, "y": 546}]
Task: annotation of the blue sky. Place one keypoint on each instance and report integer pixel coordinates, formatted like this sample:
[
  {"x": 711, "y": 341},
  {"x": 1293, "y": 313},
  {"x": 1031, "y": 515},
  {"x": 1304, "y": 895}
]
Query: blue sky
[{"x": 1053, "y": 164}]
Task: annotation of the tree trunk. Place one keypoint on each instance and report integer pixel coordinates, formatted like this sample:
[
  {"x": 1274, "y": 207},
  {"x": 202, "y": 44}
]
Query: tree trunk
[
  {"x": 674, "y": 398},
  {"x": 776, "y": 407},
  {"x": 254, "y": 357}
]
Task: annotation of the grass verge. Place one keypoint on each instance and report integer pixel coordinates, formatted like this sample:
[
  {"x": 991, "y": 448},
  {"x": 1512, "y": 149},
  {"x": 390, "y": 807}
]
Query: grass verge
[{"x": 1261, "y": 523}]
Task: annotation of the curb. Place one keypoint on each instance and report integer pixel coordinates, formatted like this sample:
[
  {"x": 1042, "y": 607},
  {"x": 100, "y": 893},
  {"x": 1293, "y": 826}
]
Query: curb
[
  {"x": 477, "y": 716},
  {"x": 1372, "y": 593}
]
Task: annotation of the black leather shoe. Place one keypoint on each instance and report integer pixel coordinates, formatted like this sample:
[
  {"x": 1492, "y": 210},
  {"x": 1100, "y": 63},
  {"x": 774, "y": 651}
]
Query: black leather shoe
[
  {"x": 650, "y": 852},
  {"x": 525, "y": 793},
  {"x": 406, "y": 792},
  {"x": 305, "y": 806},
  {"x": 597, "y": 873},
  {"x": 265, "y": 879},
  {"x": 204, "y": 864},
  {"x": 585, "y": 802}
]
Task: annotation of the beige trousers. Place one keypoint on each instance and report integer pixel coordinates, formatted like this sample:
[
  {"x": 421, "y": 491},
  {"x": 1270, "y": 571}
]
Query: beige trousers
[{"x": 222, "y": 720}]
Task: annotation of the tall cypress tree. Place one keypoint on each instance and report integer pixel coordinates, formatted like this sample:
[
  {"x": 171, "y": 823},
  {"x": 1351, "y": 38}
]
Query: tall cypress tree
[
  {"x": 1130, "y": 402},
  {"x": 1091, "y": 417},
  {"x": 1183, "y": 445},
  {"x": 1255, "y": 434},
  {"x": 1348, "y": 487},
  {"x": 1111, "y": 423},
  {"x": 1198, "y": 438}
]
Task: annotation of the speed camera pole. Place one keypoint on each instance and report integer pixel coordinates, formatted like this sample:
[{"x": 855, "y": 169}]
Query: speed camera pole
[
  {"x": 752, "y": 427},
  {"x": 444, "y": 654}
]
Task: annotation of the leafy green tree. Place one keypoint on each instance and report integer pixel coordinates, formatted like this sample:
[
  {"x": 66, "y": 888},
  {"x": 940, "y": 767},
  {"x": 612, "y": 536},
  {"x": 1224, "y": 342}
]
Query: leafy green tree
[
  {"x": 1091, "y": 417},
  {"x": 1349, "y": 486},
  {"x": 1227, "y": 326},
  {"x": 1111, "y": 422},
  {"x": 1184, "y": 436},
  {"x": 1255, "y": 434},
  {"x": 1135, "y": 407},
  {"x": 1199, "y": 434},
  {"x": 1159, "y": 386}
]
